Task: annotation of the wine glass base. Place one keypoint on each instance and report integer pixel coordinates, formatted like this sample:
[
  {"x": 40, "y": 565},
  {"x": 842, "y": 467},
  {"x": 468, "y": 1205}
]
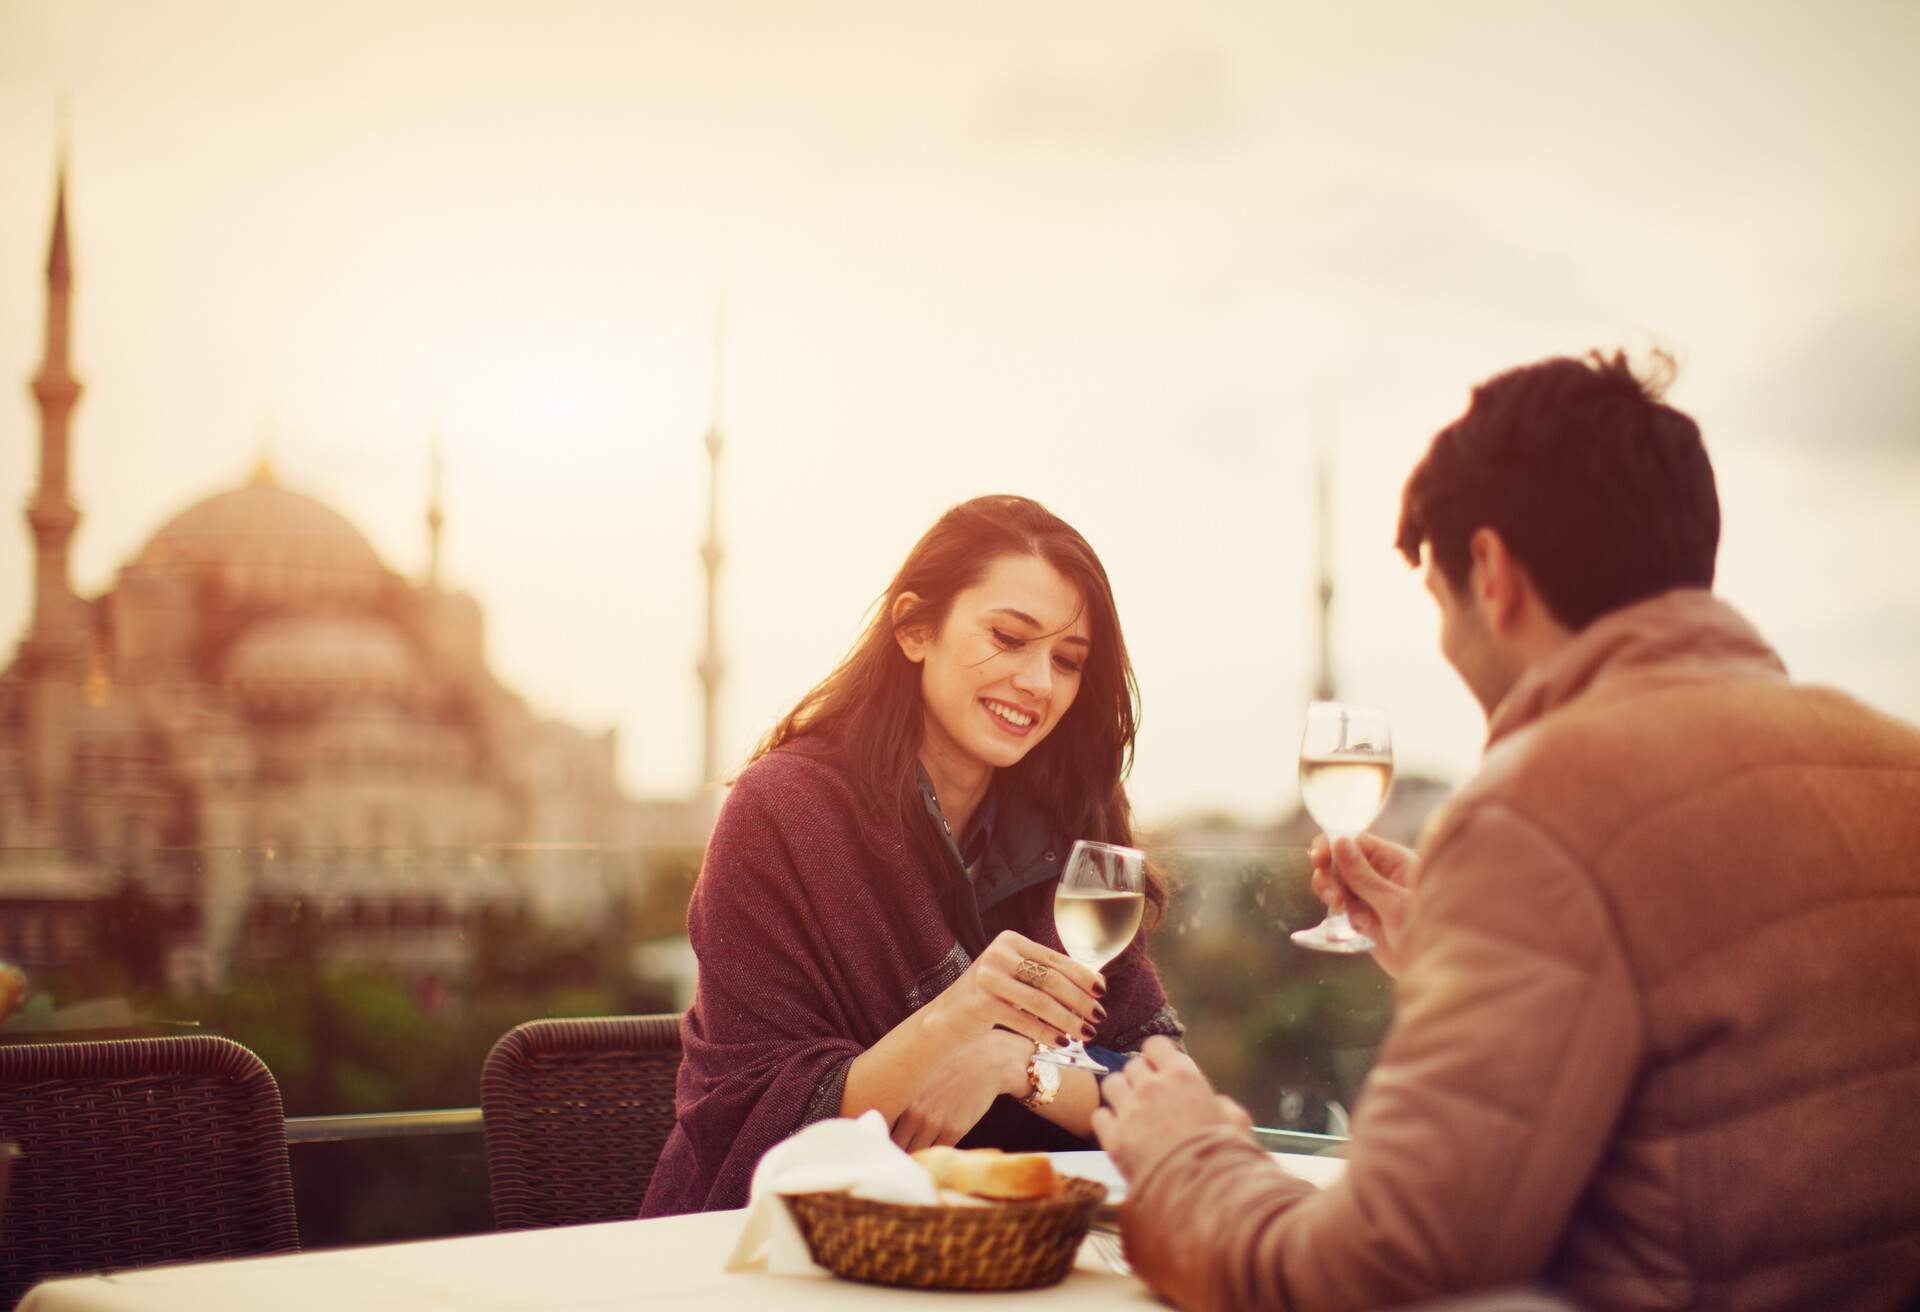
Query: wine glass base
[
  {"x": 1075, "y": 1058},
  {"x": 1319, "y": 940}
]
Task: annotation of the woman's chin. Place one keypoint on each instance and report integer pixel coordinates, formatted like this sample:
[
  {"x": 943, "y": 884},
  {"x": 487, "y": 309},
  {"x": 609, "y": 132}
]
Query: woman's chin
[{"x": 1004, "y": 750}]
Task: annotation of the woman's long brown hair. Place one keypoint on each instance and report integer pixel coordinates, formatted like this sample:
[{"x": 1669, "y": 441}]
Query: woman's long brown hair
[{"x": 867, "y": 714}]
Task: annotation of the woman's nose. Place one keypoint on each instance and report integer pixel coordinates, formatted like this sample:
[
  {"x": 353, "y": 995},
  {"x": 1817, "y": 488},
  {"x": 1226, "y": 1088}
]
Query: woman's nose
[{"x": 1034, "y": 675}]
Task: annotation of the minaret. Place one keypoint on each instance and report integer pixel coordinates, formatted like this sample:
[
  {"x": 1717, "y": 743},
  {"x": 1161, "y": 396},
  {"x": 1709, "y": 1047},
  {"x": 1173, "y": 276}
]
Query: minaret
[
  {"x": 436, "y": 516},
  {"x": 710, "y": 666},
  {"x": 1323, "y": 678},
  {"x": 54, "y": 632}
]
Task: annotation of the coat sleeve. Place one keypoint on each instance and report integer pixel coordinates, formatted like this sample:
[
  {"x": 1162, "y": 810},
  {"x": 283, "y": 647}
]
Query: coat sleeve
[
  {"x": 769, "y": 1038},
  {"x": 1517, "y": 1036}
]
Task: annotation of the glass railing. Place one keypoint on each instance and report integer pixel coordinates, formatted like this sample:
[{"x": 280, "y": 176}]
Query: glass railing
[
  {"x": 373, "y": 984},
  {"x": 1290, "y": 1034}
]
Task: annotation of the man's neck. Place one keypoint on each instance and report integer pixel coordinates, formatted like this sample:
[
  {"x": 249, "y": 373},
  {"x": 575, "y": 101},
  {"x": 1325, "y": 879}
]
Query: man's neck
[
  {"x": 1531, "y": 646},
  {"x": 960, "y": 784}
]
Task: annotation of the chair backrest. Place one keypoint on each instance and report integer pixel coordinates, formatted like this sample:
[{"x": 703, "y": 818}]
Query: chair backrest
[
  {"x": 576, "y": 1114},
  {"x": 137, "y": 1151},
  {"x": 8, "y": 1151}
]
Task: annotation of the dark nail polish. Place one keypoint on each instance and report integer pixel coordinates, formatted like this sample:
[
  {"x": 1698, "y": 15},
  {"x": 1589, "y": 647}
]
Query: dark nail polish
[
  {"x": 1061, "y": 1040},
  {"x": 1099, "y": 989},
  {"x": 1099, "y": 1012},
  {"x": 1087, "y": 1030}
]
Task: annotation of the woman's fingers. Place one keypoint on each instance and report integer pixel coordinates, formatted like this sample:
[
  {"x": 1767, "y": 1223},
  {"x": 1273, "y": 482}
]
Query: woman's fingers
[
  {"x": 1036, "y": 992},
  {"x": 1055, "y": 973},
  {"x": 917, "y": 1130},
  {"x": 1047, "y": 1009},
  {"x": 905, "y": 1126},
  {"x": 920, "y": 1126},
  {"x": 1090, "y": 982},
  {"x": 1029, "y": 1026}
]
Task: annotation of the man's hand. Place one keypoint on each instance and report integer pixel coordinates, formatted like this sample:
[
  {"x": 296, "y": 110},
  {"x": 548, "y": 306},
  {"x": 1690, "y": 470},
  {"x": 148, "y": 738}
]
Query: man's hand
[
  {"x": 960, "y": 1088},
  {"x": 1373, "y": 880},
  {"x": 1158, "y": 1100}
]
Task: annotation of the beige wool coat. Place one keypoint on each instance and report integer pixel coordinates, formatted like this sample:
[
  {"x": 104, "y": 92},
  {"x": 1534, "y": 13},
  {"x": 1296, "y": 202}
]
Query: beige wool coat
[{"x": 1657, "y": 1042}]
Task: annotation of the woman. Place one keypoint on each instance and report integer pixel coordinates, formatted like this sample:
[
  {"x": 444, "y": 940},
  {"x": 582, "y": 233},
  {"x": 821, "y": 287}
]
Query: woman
[{"x": 874, "y": 918}]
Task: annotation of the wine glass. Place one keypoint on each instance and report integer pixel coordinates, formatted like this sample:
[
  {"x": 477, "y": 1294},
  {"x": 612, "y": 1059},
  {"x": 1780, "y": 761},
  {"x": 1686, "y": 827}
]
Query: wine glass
[
  {"x": 1097, "y": 909},
  {"x": 1346, "y": 767}
]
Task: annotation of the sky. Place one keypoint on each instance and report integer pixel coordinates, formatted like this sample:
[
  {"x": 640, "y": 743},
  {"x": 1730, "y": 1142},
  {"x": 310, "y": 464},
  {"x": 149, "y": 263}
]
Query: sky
[{"x": 1139, "y": 261}]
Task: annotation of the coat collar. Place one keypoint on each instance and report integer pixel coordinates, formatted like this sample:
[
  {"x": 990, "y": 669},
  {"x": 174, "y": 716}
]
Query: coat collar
[{"x": 1681, "y": 635}]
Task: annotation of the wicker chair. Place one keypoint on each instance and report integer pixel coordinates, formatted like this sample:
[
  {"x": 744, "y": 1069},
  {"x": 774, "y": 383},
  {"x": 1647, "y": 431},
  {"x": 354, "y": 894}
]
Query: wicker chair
[
  {"x": 137, "y": 1151},
  {"x": 576, "y": 1114}
]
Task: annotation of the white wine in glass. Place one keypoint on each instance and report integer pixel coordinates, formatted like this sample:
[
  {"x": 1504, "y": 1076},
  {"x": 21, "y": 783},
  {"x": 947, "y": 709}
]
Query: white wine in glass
[
  {"x": 1096, "y": 927},
  {"x": 1346, "y": 768},
  {"x": 1097, "y": 908}
]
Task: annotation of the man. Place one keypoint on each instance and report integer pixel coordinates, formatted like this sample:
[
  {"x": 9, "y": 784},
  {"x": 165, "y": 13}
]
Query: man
[{"x": 1657, "y": 1033}]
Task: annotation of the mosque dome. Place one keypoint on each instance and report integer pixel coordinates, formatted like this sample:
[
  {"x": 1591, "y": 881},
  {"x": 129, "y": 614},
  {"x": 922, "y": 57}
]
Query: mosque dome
[{"x": 266, "y": 542}]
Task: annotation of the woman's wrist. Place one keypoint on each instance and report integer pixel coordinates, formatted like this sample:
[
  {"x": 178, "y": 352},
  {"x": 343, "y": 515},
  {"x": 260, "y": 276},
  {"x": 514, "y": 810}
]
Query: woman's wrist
[{"x": 1014, "y": 1052}]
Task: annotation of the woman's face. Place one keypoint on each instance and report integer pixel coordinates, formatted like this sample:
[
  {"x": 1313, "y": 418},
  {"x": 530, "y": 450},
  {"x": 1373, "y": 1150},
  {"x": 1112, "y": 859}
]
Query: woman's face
[{"x": 1004, "y": 667}]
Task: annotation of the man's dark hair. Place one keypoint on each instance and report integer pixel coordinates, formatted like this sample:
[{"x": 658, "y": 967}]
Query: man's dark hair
[{"x": 1599, "y": 489}]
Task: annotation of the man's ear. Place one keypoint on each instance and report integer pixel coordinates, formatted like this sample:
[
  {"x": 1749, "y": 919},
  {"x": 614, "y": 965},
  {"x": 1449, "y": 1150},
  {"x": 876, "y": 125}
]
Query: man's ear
[
  {"x": 913, "y": 638},
  {"x": 1499, "y": 585}
]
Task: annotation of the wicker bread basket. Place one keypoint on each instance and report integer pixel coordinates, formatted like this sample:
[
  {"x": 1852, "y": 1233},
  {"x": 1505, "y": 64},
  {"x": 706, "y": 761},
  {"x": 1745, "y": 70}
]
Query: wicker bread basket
[{"x": 1021, "y": 1245}]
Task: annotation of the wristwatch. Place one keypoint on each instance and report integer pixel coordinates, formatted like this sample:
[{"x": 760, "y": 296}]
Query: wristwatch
[{"x": 1043, "y": 1081}]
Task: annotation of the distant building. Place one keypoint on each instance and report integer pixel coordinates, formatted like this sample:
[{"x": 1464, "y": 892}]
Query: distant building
[{"x": 278, "y": 736}]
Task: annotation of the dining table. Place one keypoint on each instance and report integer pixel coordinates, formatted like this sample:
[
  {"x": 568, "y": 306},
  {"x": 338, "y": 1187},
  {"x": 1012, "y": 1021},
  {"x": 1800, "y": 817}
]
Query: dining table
[{"x": 666, "y": 1262}]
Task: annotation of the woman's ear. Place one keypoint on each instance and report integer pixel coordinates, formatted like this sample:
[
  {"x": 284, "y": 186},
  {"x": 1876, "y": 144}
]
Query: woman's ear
[{"x": 913, "y": 638}]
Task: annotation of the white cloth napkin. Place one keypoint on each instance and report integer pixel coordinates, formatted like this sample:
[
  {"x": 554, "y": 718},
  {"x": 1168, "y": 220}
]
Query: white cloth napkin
[{"x": 839, "y": 1156}]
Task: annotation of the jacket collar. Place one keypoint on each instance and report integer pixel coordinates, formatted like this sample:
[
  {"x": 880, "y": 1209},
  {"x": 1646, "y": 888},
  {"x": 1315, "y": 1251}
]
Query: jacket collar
[
  {"x": 979, "y": 832},
  {"x": 1678, "y": 636},
  {"x": 1021, "y": 852},
  {"x": 1024, "y": 852}
]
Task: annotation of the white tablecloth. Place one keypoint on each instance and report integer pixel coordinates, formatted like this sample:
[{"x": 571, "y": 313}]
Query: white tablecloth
[{"x": 674, "y": 1262}]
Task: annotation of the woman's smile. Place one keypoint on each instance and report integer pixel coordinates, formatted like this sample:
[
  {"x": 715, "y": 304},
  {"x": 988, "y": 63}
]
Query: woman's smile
[
  {"x": 1010, "y": 718},
  {"x": 1001, "y": 669}
]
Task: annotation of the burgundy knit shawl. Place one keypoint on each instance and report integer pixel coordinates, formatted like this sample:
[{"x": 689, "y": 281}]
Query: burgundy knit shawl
[{"x": 812, "y": 946}]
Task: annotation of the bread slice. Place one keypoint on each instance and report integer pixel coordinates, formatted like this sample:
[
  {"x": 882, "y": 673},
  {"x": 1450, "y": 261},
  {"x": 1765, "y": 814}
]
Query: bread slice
[
  {"x": 990, "y": 1173},
  {"x": 938, "y": 1163},
  {"x": 954, "y": 1198}
]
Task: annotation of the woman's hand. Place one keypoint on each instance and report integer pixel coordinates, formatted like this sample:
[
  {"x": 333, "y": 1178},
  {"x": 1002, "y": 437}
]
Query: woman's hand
[
  {"x": 918, "y": 1067},
  {"x": 1373, "y": 881},
  {"x": 1022, "y": 986},
  {"x": 960, "y": 1088}
]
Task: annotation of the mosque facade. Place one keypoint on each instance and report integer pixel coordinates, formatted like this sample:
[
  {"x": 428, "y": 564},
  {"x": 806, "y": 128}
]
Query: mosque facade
[{"x": 267, "y": 736}]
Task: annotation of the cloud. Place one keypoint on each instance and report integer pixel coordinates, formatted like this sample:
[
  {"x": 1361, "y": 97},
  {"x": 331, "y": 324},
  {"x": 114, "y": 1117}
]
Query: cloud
[
  {"x": 1850, "y": 383},
  {"x": 1181, "y": 97}
]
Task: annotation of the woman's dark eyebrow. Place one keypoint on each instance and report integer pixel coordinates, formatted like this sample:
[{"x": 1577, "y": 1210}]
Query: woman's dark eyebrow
[{"x": 1031, "y": 622}]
